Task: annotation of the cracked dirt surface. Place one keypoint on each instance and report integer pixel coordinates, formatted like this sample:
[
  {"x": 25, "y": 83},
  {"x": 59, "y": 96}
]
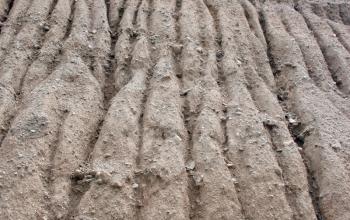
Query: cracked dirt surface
[{"x": 175, "y": 109}]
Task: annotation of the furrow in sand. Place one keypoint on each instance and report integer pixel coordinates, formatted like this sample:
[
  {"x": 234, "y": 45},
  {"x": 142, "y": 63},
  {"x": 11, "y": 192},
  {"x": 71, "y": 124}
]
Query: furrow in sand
[
  {"x": 108, "y": 6},
  {"x": 211, "y": 38},
  {"x": 25, "y": 44},
  {"x": 190, "y": 62},
  {"x": 5, "y": 9},
  {"x": 49, "y": 52},
  {"x": 70, "y": 21},
  {"x": 143, "y": 16},
  {"x": 162, "y": 159},
  {"x": 80, "y": 37},
  {"x": 253, "y": 20},
  {"x": 258, "y": 49},
  {"x": 221, "y": 80},
  {"x": 16, "y": 64},
  {"x": 289, "y": 160},
  {"x": 214, "y": 27},
  {"x": 174, "y": 109},
  {"x": 38, "y": 46},
  {"x": 188, "y": 68},
  {"x": 100, "y": 41},
  {"x": 126, "y": 38},
  {"x": 72, "y": 89},
  {"x": 283, "y": 97},
  {"x": 109, "y": 86},
  {"x": 142, "y": 22},
  {"x": 313, "y": 57},
  {"x": 212, "y": 184},
  {"x": 115, "y": 13},
  {"x": 19, "y": 15},
  {"x": 67, "y": 187},
  {"x": 322, "y": 130},
  {"x": 337, "y": 57},
  {"x": 7, "y": 98},
  {"x": 138, "y": 192},
  {"x": 114, "y": 158},
  {"x": 48, "y": 176},
  {"x": 258, "y": 178},
  {"x": 342, "y": 32},
  {"x": 164, "y": 137}
]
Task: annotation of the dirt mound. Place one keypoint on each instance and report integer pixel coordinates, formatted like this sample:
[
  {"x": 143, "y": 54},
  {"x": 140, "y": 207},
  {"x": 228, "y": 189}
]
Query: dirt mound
[{"x": 174, "y": 109}]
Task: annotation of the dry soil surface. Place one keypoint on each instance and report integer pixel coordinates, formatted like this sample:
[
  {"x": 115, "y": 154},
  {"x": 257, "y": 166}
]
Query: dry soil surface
[{"x": 174, "y": 109}]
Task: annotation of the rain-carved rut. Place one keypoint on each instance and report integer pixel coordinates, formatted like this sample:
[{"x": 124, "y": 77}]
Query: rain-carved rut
[{"x": 174, "y": 109}]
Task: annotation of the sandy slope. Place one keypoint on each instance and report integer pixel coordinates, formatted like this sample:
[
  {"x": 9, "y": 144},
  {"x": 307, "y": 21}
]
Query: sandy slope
[{"x": 174, "y": 109}]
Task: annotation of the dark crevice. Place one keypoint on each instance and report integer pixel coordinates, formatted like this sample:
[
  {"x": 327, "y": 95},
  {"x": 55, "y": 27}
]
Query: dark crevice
[
  {"x": 178, "y": 8},
  {"x": 6, "y": 128},
  {"x": 54, "y": 64},
  {"x": 139, "y": 179},
  {"x": 248, "y": 18},
  {"x": 88, "y": 56},
  {"x": 192, "y": 190},
  {"x": 120, "y": 13},
  {"x": 114, "y": 25},
  {"x": 108, "y": 7},
  {"x": 150, "y": 11},
  {"x": 271, "y": 133},
  {"x": 81, "y": 178},
  {"x": 188, "y": 117},
  {"x": 78, "y": 188},
  {"x": 7, "y": 12},
  {"x": 49, "y": 172},
  {"x": 136, "y": 14},
  {"x": 70, "y": 21},
  {"x": 313, "y": 189},
  {"x": 52, "y": 8},
  {"x": 109, "y": 89},
  {"x": 298, "y": 131},
  {"x": 133, "y": 36}
]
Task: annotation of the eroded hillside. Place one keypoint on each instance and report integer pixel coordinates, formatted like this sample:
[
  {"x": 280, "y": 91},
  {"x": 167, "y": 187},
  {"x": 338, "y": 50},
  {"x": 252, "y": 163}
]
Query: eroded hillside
[{"x": 174, "y": 109}]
